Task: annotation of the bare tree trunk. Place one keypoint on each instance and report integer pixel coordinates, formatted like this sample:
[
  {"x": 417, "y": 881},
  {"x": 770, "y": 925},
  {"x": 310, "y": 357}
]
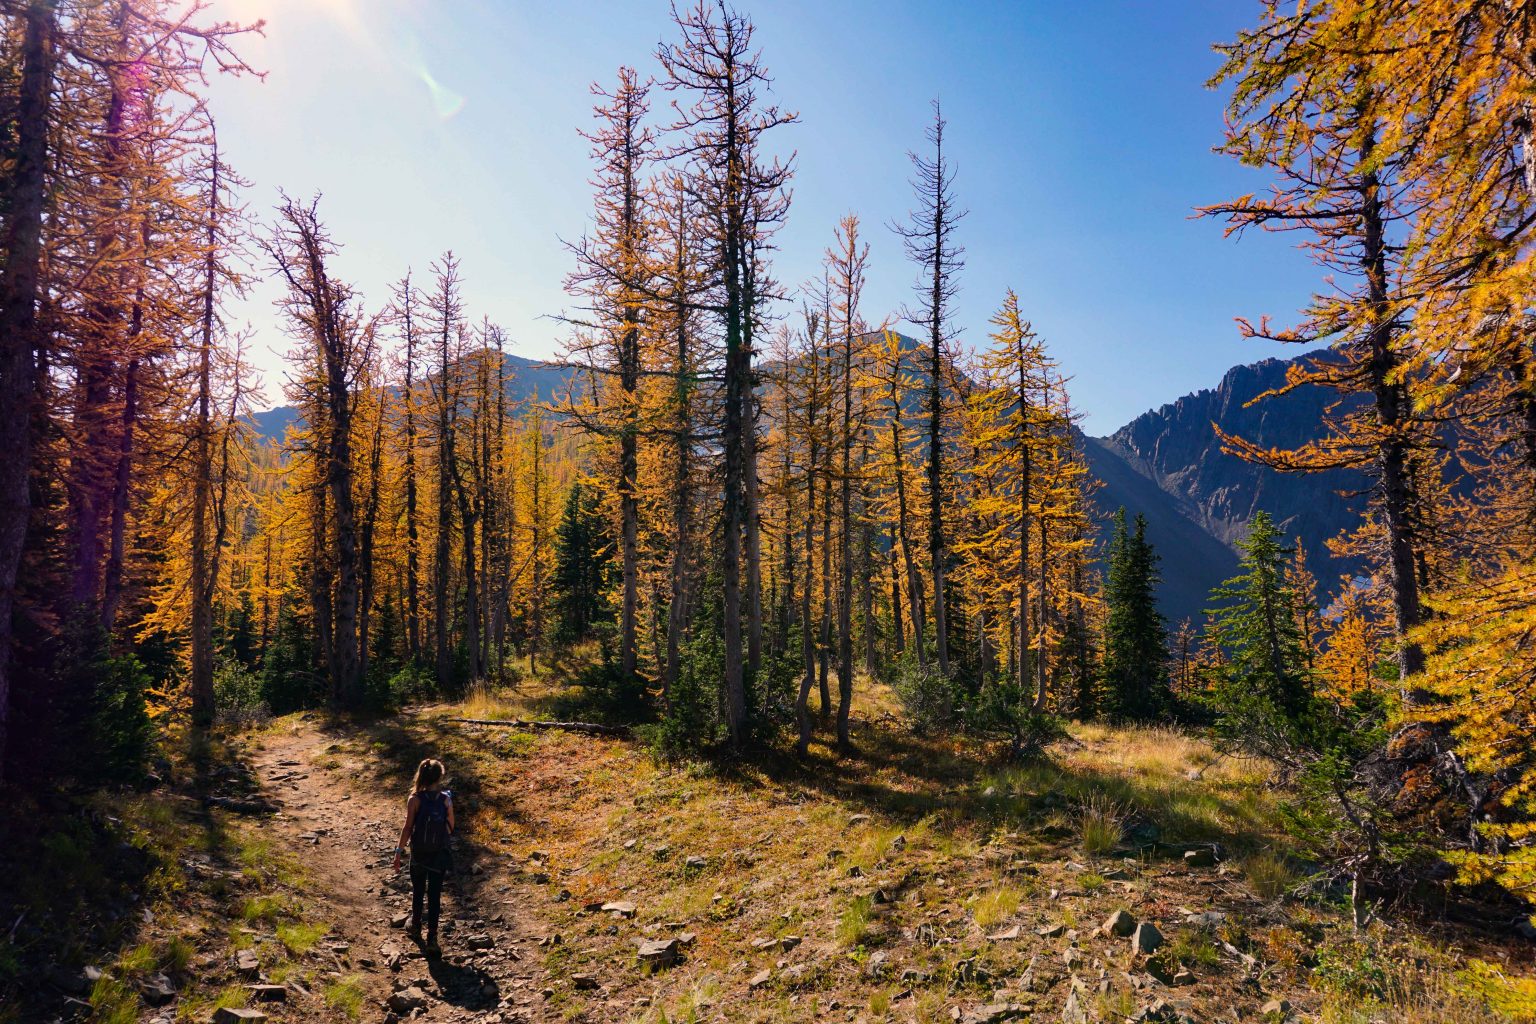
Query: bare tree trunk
[
  {"x": 122, "y": 487},
  {"x": 914, "y": 580},
  {"x": 365, "y": 554},
  {"x": 824, "y": 647},
  {"x": 1392, "y": 412},
  {"x": 898, "y": 624},
  {"x": 412, "y": 518},
  {"x": 25, "y": 192},
  {"x": 203, "y": 709},
  {"x": 937, "y": 550},
  {"x": 845, "y": 546},
  {"x": 807, "y": 643}
]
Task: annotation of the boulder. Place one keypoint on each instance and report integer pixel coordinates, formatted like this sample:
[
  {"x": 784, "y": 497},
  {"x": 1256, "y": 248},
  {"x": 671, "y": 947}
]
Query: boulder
[
  {"x": 1072, "y": 1012},
  {"x": 407, "y": 1000},
  {"x": 1203, "y": 857},
  {"x": 237, "y": 1015},
  {"x": 268, "y": 993},
  {"x": 657, "y": 953},
  {"x": 1119, "y": 924},
  {"x": 1146, "y": 938},
  {"x": 995, "y": 1013},
  {"x": 248, "y": 963},
  {"x": 760, "y": 979},
  {"x": 585, "y": 982},
  {"x": 157, "y": 990},
  {"x": 623, "y": 908}
]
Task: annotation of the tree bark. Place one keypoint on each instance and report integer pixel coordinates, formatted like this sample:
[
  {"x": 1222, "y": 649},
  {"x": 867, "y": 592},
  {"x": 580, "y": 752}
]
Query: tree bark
[{"x": 25, "y": 189}]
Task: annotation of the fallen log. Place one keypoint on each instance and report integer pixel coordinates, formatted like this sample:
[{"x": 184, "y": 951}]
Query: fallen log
[{"x": 587, "y": 728}]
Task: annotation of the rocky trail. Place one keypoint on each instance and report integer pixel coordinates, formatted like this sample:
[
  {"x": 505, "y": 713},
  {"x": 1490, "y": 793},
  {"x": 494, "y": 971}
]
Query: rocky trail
[{"x": 344, "y": 836}]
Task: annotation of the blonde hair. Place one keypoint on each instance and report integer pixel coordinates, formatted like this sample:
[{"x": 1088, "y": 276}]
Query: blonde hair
[{"x": 428, "y": 774}]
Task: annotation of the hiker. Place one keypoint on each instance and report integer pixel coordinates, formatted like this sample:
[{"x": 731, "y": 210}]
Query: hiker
[{"x": 428, "y": 826}]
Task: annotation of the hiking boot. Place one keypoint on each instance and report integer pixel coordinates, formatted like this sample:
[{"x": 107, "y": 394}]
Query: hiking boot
[{"x": 433, "y": 949}]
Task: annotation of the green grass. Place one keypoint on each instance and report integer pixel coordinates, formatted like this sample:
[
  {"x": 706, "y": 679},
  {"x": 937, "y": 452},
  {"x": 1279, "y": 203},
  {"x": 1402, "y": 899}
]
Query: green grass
[
  {"x": 1269, "y": 874},
  {"x": 141, "y": 959},
  {"x": 113, "y": 1001},
  {"x": 299, "y": 938},
  {"x": 267, "y": 909},
  {"x": 1193, "y": 949},
  {"x": 997, "y": 906},
  {"x": 853, "y": 925},
  {"x": 176, "y": 957},
  {"x": 346, "y": 995}
]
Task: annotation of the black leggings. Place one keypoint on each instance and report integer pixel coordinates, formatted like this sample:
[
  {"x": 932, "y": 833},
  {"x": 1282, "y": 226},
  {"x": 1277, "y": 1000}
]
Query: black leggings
[{"x": 426, "y": 881}]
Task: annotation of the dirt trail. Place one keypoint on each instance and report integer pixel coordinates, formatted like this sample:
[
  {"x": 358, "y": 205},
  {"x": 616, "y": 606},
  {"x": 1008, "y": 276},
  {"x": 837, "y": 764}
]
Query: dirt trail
[{"x": 344, "y": 835}]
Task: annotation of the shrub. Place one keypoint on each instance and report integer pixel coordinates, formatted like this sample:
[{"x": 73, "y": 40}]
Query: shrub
[
  {"x": 927, "y": 695},
  {"x": 237, "y": 692},
  {"x": 771, "y": 695},
  {"x": 106, "y": 730},
  {"x": 691, "y": 719},
  {"x": 608, "y": 694},
  {"x": 410, "y": 683},
  {"x": 1269, "y": 874},
  {"x": 1006, "y": 711}
]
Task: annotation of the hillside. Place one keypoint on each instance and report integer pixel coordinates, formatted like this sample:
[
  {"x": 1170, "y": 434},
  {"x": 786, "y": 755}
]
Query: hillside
[
  {"x": 526, "y": 379},
  {"x": 1131, "y": 876},
  {"x": 1166, "y": 464}
]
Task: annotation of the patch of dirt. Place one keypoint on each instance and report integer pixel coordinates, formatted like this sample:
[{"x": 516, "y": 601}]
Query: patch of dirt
[{"x": 344, "y": 835}]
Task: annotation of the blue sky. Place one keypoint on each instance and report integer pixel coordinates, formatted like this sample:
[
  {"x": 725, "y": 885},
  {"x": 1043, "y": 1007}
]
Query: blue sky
[{"x": 1082, "y": 133}]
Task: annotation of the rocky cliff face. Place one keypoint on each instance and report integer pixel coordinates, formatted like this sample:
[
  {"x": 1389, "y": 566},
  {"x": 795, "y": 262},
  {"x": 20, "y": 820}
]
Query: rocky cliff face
[{"x": 1176, "y": 448}]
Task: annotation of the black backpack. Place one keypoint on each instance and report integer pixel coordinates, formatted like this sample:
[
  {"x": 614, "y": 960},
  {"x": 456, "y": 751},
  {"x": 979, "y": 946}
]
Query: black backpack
[{"x": 430, "y": 832}]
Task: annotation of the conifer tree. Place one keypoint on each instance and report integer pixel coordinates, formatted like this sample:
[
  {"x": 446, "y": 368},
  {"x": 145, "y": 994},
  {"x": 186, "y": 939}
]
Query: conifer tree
[
  {"x": 723, "y": 132},
  {"x": 583, "y": 549},
  {"x": 930, "y": 243},
  {"x": 1135, "y": 663},
  {"x": 324, "y": 312},
  {"x": 613, "y": 269},
  {"x": 1254, "y": 621}
]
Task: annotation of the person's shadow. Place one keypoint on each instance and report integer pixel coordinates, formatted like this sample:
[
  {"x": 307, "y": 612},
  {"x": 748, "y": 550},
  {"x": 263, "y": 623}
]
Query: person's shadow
[{"x": 463, "y": 985}]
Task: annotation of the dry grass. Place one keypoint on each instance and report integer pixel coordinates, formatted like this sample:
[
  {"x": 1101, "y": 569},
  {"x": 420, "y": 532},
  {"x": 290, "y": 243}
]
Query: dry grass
[
  {"x": 1099, "y": 826},
  {"x": 936, "y": 863}
]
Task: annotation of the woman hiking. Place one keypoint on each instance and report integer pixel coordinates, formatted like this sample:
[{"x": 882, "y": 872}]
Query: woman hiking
[{"x": 428, "y": 827}]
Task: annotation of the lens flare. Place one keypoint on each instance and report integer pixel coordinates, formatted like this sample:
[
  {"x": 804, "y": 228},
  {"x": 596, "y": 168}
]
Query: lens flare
[{"x": 445, "y": 101}]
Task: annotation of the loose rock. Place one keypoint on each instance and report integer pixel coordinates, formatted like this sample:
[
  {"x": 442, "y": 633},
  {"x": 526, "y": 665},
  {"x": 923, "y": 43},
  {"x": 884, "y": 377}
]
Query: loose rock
[
  {"x": 1120, "y": 924},
  {"x": 1146, "y": 939}
]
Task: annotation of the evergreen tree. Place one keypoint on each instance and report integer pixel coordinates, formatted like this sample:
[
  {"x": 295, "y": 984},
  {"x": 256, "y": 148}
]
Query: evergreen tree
[
  {"x": 1264, "y": 674},
  {"x": 1082, "y": 682},
  {"x": 1135, "y": 635},
  {"x": 583, "y": 564}
]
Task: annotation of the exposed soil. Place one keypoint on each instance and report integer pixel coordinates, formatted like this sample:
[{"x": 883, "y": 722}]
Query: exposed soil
[{"x": 344, "y": 835}]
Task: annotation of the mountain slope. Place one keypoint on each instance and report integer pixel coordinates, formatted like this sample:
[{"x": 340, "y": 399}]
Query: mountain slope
[
  {"x": 1193, "y": 560},
  {"x": 526, "y": 379},
  {"x": 1175, "y": 449}
]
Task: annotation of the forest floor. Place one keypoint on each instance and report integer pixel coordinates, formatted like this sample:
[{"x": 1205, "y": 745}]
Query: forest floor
[{"x": 920, "y": 880}]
